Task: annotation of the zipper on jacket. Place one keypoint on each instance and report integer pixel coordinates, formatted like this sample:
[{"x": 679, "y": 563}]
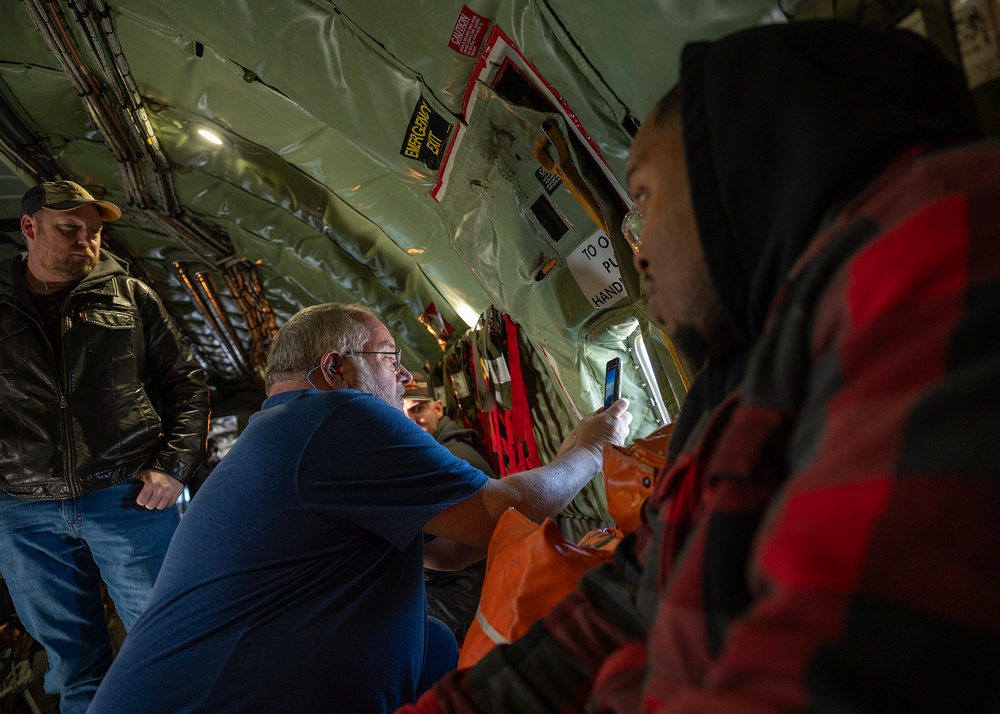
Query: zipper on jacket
[
  {"x": 68, "y": 441},
  {"x": 69, "y": 453}
]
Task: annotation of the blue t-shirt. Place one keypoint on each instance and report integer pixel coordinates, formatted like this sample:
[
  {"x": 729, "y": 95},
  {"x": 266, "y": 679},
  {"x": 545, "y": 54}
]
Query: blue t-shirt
[{"x": 294, "y": 581}]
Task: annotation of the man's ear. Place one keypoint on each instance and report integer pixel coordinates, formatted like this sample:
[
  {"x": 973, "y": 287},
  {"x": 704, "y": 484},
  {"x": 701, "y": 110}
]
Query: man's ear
[
  {"x": 27, "y": 227},
  {"x": 438, "y": 408},
  {"x": 333, "y": 369}
]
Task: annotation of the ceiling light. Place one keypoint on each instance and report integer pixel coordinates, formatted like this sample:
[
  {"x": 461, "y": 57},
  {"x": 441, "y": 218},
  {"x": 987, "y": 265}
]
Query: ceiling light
[{"x": 211, "y": 136}]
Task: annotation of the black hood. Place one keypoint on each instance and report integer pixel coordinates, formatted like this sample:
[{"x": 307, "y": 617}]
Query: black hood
[{"x": 784, "y": 123}]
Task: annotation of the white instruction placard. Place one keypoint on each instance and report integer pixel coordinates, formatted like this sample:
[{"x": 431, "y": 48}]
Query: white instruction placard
[{"x": 595, "y": 270}]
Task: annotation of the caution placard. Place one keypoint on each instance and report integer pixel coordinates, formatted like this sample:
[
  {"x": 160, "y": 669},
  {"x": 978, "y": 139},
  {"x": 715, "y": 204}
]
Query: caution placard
[{"x": 468, "y": 33}]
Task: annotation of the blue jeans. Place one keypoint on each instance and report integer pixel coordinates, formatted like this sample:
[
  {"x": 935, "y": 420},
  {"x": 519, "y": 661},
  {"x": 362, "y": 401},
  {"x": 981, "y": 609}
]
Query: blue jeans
[
  {"x": 53, "y": 556},
  {"x": 441, "y": 655}
]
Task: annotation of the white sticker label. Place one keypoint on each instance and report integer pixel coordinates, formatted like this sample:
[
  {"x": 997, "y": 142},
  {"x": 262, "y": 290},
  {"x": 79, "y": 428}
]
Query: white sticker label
[
  {"x": 595, "y": 270},
  {"x": 977, "y": 29},
  {"x": 461, "y": 385},
  {"x": 498, "y": 370}
]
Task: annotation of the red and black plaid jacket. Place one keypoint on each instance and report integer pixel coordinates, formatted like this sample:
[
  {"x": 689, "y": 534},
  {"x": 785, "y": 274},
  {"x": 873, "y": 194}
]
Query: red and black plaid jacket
[{"x": 832, "y": 543}]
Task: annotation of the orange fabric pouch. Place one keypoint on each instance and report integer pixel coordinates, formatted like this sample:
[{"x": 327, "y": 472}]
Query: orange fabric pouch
[
  {"x": 629, "y": 472},
  {"x": 529, "y": 569}
]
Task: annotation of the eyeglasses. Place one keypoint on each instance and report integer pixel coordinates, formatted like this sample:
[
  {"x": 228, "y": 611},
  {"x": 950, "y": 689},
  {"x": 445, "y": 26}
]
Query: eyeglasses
[
  {"x": 395, "y": 355},
  {"x": 632, "y": 227}
]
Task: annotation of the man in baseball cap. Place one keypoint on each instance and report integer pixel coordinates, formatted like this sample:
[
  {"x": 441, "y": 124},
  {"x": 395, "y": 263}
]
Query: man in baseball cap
[
  {"x": 421, "y": 404},
  {"x": 61, "y": 223},
  {"x": 89, "y": 351}
]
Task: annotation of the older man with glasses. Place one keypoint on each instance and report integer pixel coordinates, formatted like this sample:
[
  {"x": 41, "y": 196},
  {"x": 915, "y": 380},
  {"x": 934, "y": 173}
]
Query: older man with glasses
[{"x": 294, "y": 582}]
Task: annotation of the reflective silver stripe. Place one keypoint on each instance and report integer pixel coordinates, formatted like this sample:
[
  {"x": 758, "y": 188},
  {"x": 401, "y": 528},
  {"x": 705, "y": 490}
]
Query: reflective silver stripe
[{"x": 490, "y": 631}]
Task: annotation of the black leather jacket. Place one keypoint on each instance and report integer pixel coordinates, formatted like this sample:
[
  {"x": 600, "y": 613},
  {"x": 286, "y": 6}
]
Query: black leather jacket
[{"x": 127, "y": 396}]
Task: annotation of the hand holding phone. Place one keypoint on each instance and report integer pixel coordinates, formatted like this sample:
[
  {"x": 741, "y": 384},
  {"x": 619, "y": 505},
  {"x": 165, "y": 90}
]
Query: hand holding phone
[{"x": 612, "y": 382}]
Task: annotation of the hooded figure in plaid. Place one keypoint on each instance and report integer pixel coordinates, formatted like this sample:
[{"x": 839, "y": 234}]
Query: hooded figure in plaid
[{"x": 818, "y": 228}]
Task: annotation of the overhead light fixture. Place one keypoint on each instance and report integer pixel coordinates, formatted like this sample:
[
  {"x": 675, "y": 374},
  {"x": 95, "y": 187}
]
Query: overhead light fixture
[{"x": 211, "y": 136}]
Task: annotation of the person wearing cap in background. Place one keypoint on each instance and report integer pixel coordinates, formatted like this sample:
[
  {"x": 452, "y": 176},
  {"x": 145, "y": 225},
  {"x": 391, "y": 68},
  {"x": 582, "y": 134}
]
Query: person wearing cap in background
[
  {"x": 452, "y": 597},
  {"x": 426, "y": 411},
  {"x": 104, "y": 417}
]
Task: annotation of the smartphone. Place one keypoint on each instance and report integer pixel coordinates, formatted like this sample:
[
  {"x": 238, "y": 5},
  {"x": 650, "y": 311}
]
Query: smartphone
[{"x": 612, "y": 382}]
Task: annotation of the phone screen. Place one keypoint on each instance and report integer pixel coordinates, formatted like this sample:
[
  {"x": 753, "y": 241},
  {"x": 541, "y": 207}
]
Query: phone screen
[{"x": 612, "y": 382}]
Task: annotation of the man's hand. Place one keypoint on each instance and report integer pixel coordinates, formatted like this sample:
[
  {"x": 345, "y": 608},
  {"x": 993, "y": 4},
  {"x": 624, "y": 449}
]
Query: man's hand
[
  {"x": 160, "y": 490},
  {"x": 605, "y": 426}
]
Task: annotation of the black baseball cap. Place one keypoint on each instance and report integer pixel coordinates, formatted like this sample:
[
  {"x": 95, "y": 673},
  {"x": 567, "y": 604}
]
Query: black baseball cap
[{"x": 65, "y": 196}]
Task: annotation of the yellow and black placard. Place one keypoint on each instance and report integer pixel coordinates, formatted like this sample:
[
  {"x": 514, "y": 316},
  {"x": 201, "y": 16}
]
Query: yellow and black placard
[{"x": 426, "y": 136}]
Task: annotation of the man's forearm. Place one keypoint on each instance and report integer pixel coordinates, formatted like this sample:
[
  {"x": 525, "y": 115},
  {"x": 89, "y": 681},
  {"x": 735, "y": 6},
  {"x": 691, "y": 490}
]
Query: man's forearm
[
  {"x": 539, "y": 493},
  {"x": 542, "y": 492}
]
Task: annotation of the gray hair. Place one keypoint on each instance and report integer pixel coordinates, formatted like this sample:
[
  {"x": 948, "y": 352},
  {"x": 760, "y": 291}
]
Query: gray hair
[{"x": 300, "y": 343}]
